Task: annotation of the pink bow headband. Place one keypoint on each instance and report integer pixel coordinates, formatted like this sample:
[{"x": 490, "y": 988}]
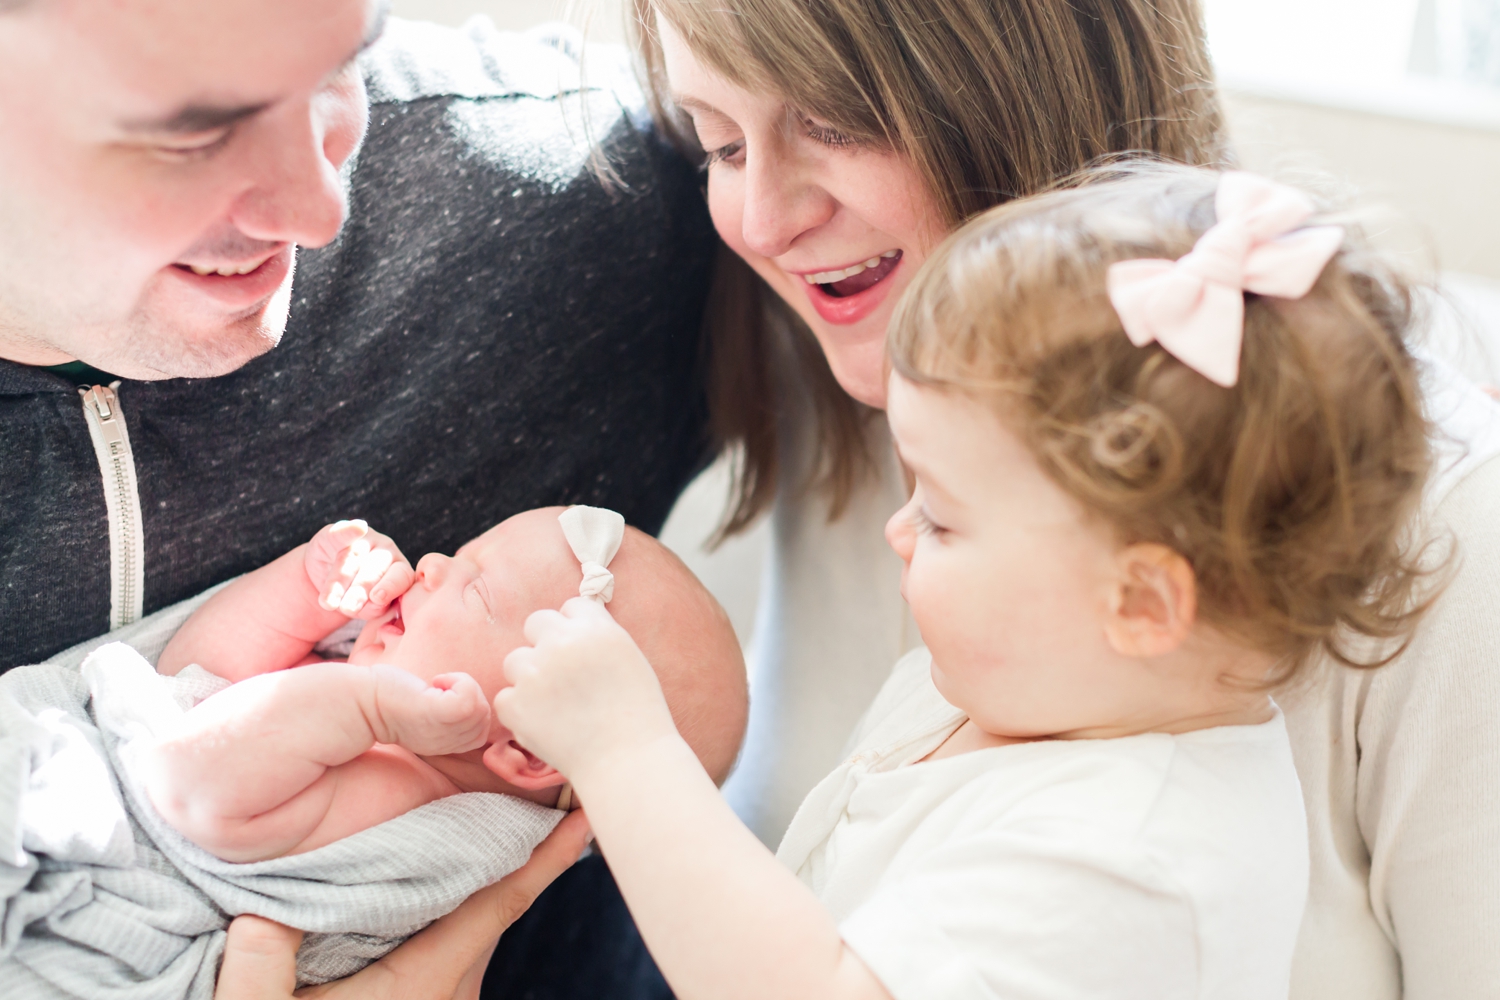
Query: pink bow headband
[{"x": 1195, "y": 307}]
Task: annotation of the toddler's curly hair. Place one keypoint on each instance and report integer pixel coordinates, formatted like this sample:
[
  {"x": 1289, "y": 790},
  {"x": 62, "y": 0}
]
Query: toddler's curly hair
[{"x": 1291, "y": 494}]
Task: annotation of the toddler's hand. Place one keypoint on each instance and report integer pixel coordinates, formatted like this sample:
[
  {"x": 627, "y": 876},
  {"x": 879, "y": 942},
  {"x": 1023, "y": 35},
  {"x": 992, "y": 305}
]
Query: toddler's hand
[
  {"x": 357, "y": 572},
  {"x": 582, "y": 691},
  {"x": 447, "y": 716}
]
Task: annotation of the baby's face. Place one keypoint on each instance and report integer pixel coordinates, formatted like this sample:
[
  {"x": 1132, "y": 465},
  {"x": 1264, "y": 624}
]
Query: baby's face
[{"x": 466, "y": 612}]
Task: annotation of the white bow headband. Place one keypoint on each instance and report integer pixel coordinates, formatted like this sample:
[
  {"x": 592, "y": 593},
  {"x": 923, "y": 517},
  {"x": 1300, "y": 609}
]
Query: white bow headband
[
  {"x": 594, "y": 534},
  {"x": 1195, "y": 307}
]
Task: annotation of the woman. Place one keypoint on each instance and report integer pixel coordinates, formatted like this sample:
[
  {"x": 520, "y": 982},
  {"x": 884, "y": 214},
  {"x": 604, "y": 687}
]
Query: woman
[
  {"x": 842, "y": 140},
  {"x": 847, "y": 133}
]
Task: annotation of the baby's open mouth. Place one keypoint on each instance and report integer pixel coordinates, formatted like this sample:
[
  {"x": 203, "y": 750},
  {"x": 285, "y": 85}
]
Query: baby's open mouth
[
  {"x": 397, "y": 624},
  {"x": 857, "y": 277}
]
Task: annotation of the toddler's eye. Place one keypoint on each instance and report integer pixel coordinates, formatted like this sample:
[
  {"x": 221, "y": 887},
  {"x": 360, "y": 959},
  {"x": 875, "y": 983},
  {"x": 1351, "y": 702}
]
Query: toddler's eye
[{"x": 924, "y": 523}]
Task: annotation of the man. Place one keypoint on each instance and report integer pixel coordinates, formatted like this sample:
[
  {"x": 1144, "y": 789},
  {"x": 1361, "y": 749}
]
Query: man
[{"x": 188, "y": 388}]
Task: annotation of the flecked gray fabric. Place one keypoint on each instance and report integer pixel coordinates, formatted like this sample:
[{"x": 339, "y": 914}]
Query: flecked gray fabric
[
  {"x": 494, "y": 330},
  {"x": 101, "y": 898}
]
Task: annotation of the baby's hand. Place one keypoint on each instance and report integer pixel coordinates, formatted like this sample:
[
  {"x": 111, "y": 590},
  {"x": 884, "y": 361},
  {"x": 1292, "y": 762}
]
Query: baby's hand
[
  {"x": 582, "y": 691},
  {"x": 447, "y": 716},
  {"x": 357, "y": 572}
]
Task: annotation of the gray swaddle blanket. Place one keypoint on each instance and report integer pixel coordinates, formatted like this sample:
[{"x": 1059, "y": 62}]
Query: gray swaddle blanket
[{"x": 102, "y": 899}]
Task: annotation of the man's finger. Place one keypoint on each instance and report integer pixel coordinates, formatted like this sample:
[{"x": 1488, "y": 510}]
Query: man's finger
[
  {"x": 260, "y": 961},
  {"x": 553, "y": 856},
  {"x": 433, "y": 963}
]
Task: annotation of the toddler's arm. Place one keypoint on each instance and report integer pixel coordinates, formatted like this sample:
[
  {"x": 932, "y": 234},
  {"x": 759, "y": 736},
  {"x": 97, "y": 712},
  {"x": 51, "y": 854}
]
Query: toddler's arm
[
  {"x": 270, "y": 618},
  {"x": 721, "y": 916},
  {"x": 279, "y": 763}
]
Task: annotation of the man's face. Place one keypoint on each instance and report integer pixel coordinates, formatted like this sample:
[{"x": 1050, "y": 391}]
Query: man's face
[{"x": 161, "y": 161}]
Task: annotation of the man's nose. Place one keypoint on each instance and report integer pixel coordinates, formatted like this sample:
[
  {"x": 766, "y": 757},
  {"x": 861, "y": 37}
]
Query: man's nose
[
  {"x": 781, "y": 203},
  {"x": 297, "y": 196}
]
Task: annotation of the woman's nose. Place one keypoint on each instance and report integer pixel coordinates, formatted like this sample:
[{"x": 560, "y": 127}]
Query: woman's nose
[
  {"x": 431, "y": 569},
  {"x": 781, "y": 203}
]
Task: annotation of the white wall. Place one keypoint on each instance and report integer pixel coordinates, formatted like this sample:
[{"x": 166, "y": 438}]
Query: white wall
[{"x": 602, "y": 17}]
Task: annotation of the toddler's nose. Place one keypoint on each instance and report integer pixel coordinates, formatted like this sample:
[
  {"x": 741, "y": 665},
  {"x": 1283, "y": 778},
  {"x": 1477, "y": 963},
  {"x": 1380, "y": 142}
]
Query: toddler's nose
[{"x": 901, "y": 533}]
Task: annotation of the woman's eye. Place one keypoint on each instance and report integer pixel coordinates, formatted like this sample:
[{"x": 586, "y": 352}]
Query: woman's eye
[
  {"x": 827, "y": 135},
  {"x": 729, "y": 153}
]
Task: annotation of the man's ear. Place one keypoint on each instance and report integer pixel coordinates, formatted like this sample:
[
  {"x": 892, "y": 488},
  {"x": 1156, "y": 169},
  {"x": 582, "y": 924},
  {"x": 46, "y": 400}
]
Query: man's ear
[
  {"x": 521, "y": 767},
  {"x": 1154, "y": 603}
]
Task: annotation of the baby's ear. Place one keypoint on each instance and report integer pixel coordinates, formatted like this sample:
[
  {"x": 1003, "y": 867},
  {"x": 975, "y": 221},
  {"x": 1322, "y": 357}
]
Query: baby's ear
[
  {"x": 1154, "y": 601},
  {"x": 521, "y": 767}
]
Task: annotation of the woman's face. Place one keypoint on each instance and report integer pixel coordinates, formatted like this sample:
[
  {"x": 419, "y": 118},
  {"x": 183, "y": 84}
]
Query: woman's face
[{"x": 838, "y": 229}]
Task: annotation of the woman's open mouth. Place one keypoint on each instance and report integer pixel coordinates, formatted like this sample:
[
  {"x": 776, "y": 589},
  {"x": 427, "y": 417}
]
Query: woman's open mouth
[{"x": 849, "y": 294}]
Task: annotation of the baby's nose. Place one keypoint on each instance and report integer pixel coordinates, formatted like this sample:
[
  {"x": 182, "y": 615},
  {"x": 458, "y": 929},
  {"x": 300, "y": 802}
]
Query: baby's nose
[{"x": 431, "y": 569}]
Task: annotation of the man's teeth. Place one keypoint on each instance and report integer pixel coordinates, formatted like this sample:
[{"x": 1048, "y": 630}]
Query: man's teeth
[
  {"x": 829, "y": 277},
  {"x": 226, "y": 271}
]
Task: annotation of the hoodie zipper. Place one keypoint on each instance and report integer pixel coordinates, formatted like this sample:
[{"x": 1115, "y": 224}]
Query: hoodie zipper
[{"x": 127, "y": 550}]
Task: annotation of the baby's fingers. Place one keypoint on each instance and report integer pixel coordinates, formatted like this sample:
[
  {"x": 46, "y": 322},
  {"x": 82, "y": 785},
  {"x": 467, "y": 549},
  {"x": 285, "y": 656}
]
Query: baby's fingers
[
  {"x": 369, "y": 567},
  {"x": 396, "y": 581}
]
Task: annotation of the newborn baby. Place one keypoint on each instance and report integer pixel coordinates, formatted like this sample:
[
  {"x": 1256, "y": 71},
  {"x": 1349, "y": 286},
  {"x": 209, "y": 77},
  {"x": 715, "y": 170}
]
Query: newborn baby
[{"x": 297, "y": 753}]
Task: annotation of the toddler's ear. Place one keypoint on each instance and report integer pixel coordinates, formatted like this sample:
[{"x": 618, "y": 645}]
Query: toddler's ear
[
  {"x": 1154, "y": 602},
  {"x": 521, "y": 767}
]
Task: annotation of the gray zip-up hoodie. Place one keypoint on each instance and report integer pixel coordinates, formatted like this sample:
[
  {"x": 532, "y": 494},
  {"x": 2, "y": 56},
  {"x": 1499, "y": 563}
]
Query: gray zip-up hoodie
[{"x": 494, "y": 330}]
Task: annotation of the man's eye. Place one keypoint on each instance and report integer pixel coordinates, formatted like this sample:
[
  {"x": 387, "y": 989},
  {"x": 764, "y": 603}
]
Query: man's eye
[{"x": 195, "y": 146}]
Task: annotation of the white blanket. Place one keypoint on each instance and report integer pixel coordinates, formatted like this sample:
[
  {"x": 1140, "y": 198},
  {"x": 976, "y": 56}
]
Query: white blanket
[{"x": 100, "y": 898}]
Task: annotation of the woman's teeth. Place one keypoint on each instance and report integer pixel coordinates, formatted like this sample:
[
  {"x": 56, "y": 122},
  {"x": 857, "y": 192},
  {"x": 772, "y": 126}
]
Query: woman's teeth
[
  {"x": 829, "y": 277},
  {"x": 225, "y": 271}
]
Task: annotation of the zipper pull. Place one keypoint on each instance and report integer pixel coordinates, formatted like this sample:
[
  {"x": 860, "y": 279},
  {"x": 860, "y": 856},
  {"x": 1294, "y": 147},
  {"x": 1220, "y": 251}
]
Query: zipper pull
[{"x": 102, "y": 399}]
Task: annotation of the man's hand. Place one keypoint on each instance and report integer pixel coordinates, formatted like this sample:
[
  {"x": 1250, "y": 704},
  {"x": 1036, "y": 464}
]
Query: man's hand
[
  {"x": 582, "y": 691},
  {"x": 443, "y": 962},
  {"x": 356, "y": 571}
]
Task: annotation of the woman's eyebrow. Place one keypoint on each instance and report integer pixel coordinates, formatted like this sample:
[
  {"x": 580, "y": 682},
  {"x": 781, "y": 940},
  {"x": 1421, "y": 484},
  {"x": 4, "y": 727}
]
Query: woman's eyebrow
[{"x": 693, "y": 104}]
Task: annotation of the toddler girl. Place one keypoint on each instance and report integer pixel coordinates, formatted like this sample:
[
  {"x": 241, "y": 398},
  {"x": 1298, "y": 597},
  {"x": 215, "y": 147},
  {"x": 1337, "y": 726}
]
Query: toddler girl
[{"x": 1166, "y": 444}]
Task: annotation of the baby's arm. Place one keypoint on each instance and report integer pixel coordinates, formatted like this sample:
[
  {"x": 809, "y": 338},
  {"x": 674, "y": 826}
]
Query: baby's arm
[
  {"x": 278, "y": 763},
  {"x": 270, "y": 618},
  {"x": 721, "y": 916}
]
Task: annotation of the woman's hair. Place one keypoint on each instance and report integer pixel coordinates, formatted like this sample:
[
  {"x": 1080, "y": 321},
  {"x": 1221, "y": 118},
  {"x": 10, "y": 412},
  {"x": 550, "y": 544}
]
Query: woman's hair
[
  {"x": 991, "y": 100},
  {"x": 1290, "y": 493}
]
